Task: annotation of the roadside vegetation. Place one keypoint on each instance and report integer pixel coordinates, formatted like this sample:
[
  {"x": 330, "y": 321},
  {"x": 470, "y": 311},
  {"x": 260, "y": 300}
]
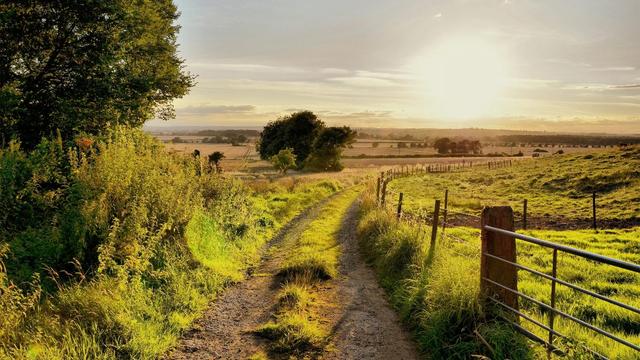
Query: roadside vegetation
[
  {"x": 112, "y": 247},
  {"x": 558, "y": 189},
  {"x": 434, "y": 289},
  {"x": 296, "y": 329}
]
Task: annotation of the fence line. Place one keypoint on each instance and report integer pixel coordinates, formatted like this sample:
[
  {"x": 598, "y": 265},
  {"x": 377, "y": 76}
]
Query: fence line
[{"x": 499, "y": 267}]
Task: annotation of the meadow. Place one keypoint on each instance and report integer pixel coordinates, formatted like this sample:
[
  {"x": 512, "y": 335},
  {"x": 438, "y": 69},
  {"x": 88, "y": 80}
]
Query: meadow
[
  {"x": 398, "y": 250},
  {"x": 558, "y": 190},
  {"x": 361, "y": 155}
]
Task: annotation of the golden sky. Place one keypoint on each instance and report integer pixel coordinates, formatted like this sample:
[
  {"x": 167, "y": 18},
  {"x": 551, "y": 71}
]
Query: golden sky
[{"x": 516, "y": 64}]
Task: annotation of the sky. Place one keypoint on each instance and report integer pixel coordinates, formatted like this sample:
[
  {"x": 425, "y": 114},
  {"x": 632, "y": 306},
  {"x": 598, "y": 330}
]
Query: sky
[{"x": 570, "y": 65}]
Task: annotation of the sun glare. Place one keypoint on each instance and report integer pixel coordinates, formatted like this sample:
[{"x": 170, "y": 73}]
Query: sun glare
[{"x": 465, "y": 77}]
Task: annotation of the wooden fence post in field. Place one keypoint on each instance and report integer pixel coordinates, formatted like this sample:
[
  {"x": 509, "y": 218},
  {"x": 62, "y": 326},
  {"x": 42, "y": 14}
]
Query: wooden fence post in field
[
  {"x": 399, "y": 214},
  {"x": 595, "y": 222},
  {"x": 378, "y": 191},
  {"x": 383, "y": 196},
  {"x": 502, "y": 246},
  {"x": 524, "y": 214},
  {"x": 444, "y": 214},
  {"x": 434, "y": 226}
]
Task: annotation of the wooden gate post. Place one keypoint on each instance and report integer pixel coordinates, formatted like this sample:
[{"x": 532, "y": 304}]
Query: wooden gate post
[{"x": 502, "y": 246}]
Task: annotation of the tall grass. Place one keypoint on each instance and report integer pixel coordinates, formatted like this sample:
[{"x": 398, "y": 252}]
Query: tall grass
[
  {"x": 435, "y": 289},
  {"x": 116, "y": 249}
]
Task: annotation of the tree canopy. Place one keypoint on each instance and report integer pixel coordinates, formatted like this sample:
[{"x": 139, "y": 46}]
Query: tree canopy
[
  {"x": 328, "y": 146},
  {"x": 448, "y": 146},
  {"x": 284, "y": 160},
  {"x": 316, "y": 146},
  {"x": 296, "y": 131},
  {"x": 81, "y": 66}
]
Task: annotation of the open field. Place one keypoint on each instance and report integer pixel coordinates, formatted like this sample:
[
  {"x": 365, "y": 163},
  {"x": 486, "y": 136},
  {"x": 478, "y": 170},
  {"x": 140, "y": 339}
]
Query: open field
[
  {"x": 558, "y": 189},
  {"x": 551, "y": 184},
  {"x": 245, "y": 159}
]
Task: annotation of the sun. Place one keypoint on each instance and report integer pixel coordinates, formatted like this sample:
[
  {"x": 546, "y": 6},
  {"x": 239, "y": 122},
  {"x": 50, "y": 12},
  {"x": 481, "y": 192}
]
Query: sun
[{"x": 465, "y": 77}]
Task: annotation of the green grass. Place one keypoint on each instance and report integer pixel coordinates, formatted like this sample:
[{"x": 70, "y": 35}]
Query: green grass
[
  {"x": 311, "y": 260},
  {"x": 435, "y": 290},
  {"x": 166, "y": 242},
  {"x": 619, "y": 284},
  {"x": 557, "y": 187}
]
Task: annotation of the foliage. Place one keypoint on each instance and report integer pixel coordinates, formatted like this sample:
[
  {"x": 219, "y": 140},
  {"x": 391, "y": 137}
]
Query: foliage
[
  {"x": 296, "y": 131},
  {"x": 328, "y": 147},
  {"x": 448, "y": 146},
  {"x": 214, "y": 160},
  {"x": 316, "y": 146},
  {"x": 154, "y": 244},
  {"x": 86, "y": 65},
  {"x": 284, "y": 160}
]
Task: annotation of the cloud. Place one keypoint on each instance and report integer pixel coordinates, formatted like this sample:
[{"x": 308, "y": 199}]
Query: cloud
[
  {"x": 215, "y": 109},
  {"x": 627, "y": 86},
  {"x": 615, "y": 68}
]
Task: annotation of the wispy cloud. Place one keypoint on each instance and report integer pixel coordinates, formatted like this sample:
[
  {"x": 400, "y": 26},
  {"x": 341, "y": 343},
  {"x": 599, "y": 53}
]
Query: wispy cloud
[{"x": 215, "y": 109}]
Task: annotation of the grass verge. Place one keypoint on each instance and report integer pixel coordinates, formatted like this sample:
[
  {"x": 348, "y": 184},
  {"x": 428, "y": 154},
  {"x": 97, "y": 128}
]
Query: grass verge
[{"x": 434, "y": 289}]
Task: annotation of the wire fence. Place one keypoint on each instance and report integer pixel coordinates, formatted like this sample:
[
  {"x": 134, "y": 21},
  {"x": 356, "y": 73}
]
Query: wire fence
[{"x": 499, "y": 267}]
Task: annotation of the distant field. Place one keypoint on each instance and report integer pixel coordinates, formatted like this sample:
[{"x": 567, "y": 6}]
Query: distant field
[{"x": 245, "y": 158}]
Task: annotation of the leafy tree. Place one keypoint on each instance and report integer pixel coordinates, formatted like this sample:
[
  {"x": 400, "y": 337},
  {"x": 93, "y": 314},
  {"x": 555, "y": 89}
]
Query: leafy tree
[
  {"x": 442, "y": 145},
  {"x": 81, "y": 66},
  {"x": 328, "y": 147},
  {"x": 297, "y": 131},
  {"x": 215, "y": 159},
  {"x": 284, "y": 160}
]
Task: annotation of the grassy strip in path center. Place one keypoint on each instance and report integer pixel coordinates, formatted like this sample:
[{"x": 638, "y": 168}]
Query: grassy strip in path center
[{"x": 311, "y": 261}]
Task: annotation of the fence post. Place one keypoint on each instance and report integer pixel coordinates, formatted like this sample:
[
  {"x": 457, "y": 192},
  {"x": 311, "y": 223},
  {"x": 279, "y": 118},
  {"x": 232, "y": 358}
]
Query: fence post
[
  {"x": 378, "y": 191},
  {"x": 383, "y": 198},
  {"x": 502, "y": 246},
  {"x": 595, "y": 223},
  {"x": 446, "y": 206},
  {"x": 399, "y": 214},
  {"x": 434, "y": 225},
  {"x": 524, "y": 214}
]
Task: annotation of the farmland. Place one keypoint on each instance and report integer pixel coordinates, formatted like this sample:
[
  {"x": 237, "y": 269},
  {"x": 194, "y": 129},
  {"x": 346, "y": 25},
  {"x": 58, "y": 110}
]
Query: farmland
[{"x": 560, "y": 186}]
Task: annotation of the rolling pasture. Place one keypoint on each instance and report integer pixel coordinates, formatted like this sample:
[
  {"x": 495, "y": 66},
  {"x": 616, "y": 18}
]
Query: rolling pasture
[{"x": 559, "y": 191}]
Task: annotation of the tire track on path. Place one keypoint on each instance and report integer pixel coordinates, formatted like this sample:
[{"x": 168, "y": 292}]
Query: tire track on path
[
  {"x": 364, "y": 324},
  {"x": 225, "y": 331}
]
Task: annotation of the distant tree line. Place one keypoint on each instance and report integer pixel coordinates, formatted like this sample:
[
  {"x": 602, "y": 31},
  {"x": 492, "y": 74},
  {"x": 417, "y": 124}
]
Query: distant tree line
[
  {"x": 577, "y": 140},
  {"x": 391, "y": 136},
  {"x": 448, "y": 146}
]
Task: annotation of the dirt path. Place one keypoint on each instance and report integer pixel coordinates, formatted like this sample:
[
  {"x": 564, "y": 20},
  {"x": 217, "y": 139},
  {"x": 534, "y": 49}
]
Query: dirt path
[
  {"x": 365, "y": 326},
  {"x": 225, "y": 330},
  {"x": 355, "y": 308}
]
